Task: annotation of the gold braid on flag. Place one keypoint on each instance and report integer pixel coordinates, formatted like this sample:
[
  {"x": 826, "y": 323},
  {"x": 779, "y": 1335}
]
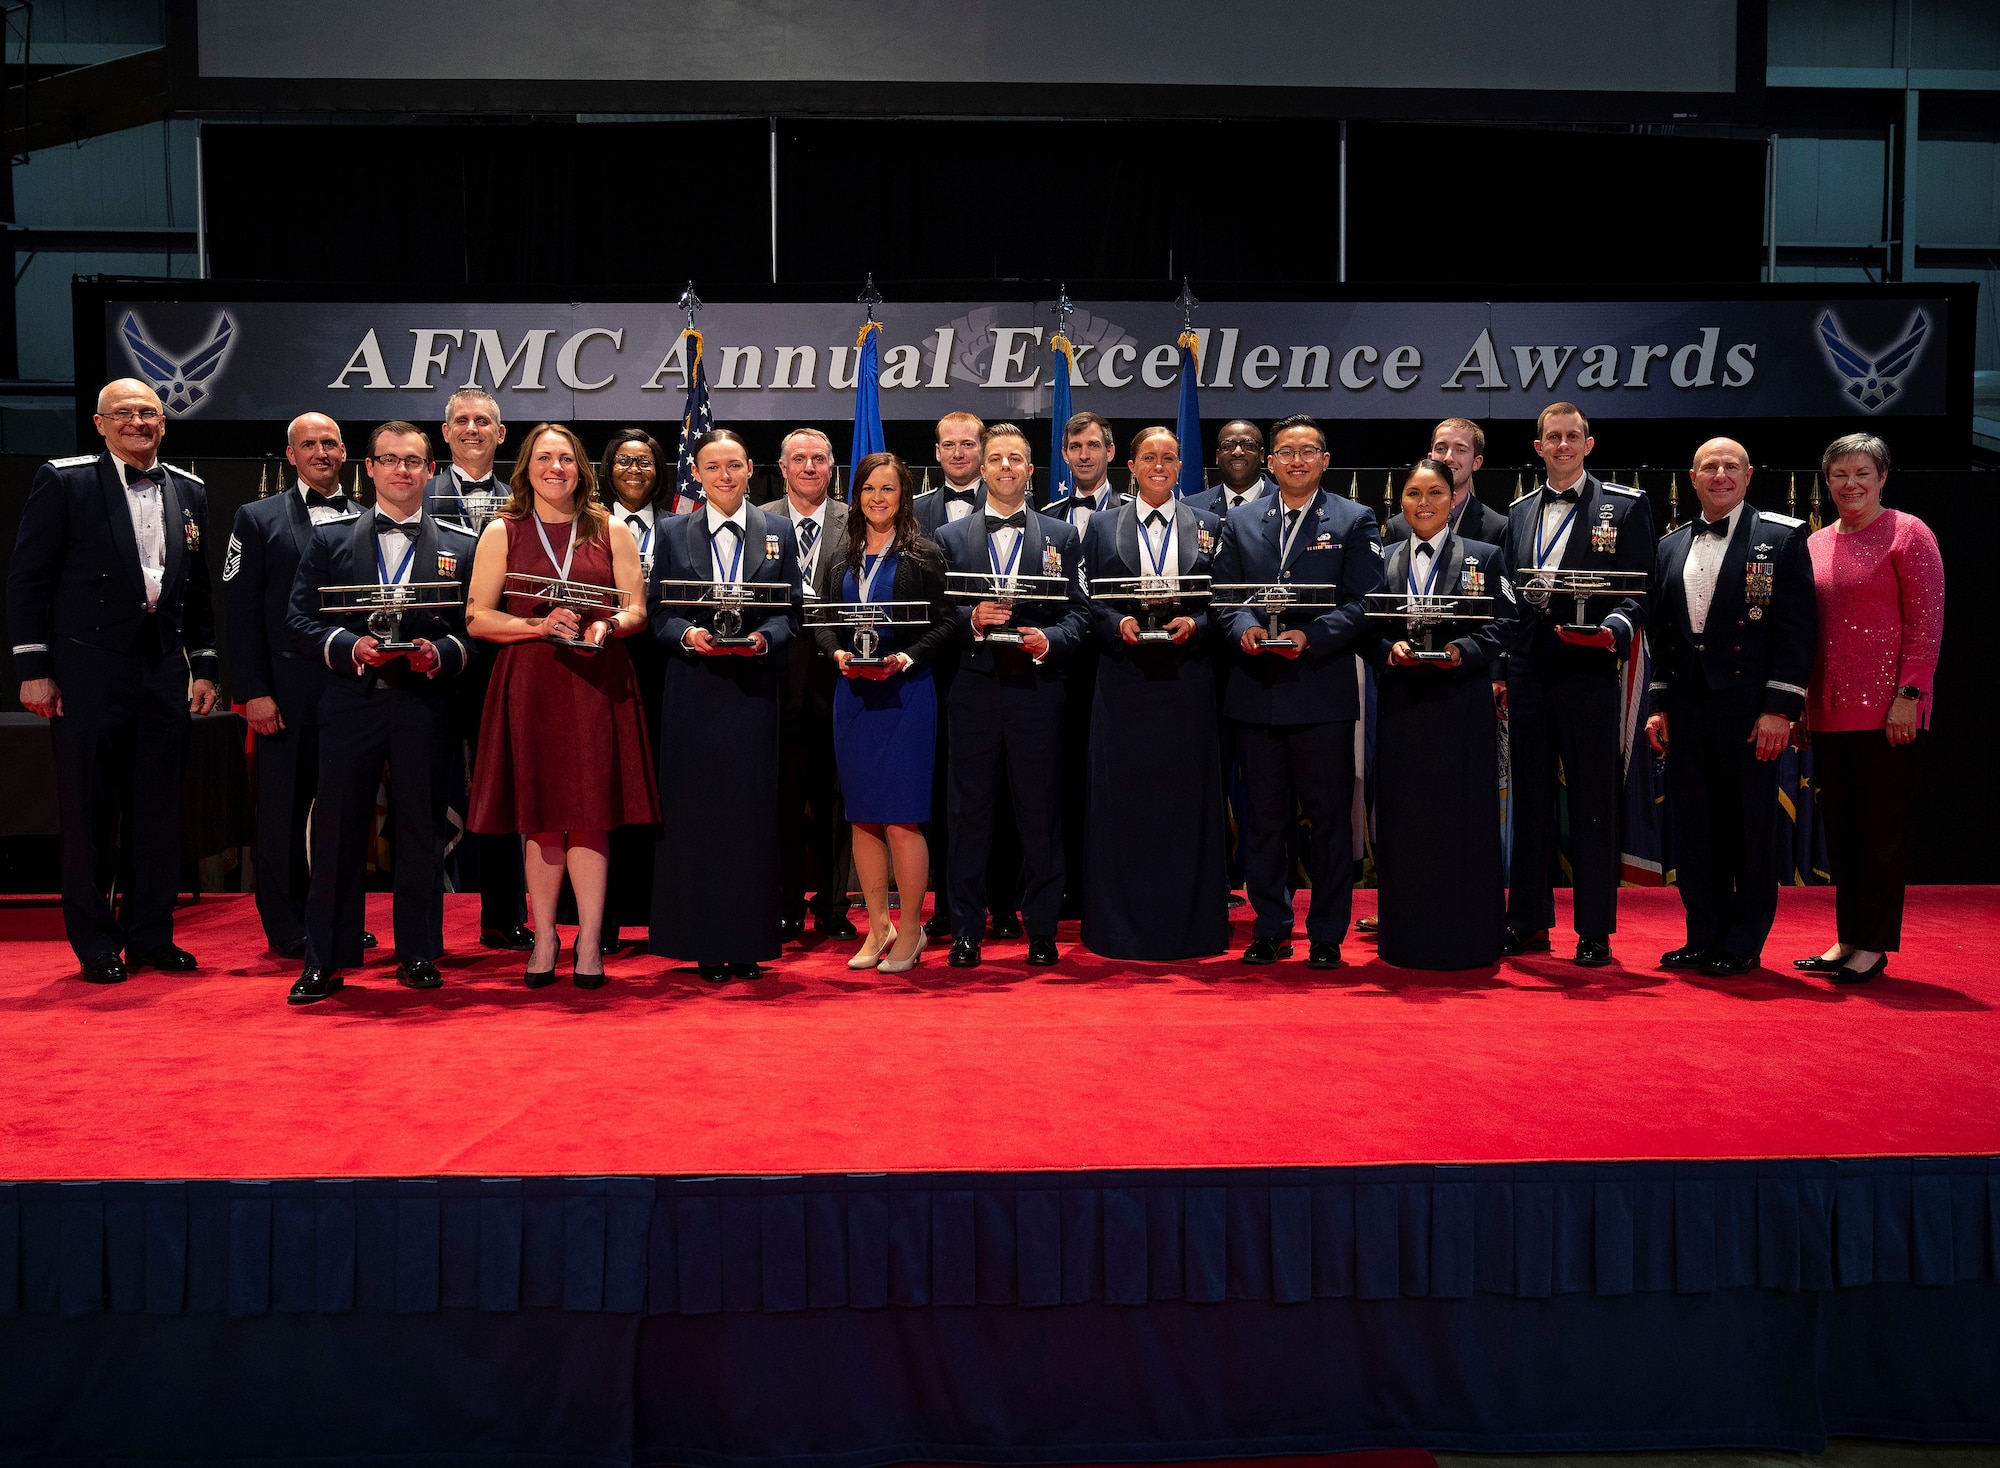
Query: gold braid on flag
[
  {"x": 861, "y": 337},
  {"x": 693, "y": 366},
  {"x": 1061, "y": 343},
  {"x": 1192, "y": 343}
]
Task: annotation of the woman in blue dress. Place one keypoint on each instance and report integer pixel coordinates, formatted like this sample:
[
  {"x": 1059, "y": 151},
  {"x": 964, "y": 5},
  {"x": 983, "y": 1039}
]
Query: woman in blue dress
[{"x": 885, "y": 714}]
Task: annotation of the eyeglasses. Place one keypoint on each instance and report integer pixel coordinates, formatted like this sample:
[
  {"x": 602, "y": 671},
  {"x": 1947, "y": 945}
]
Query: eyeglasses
[
  {"x": 135, "y": 415},
  {"x": 626, "y": 461},
  {"x": 412, "y": 462},
  {"x": 1239, "y": 443},
  {"x": 1288, "y": 453}
]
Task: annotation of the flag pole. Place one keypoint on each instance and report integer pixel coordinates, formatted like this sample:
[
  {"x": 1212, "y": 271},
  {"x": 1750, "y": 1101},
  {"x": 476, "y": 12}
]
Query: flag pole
[{"x": 1062, "y": 480}]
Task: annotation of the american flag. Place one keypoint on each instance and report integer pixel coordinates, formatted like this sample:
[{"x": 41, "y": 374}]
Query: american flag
[{"x": 696, "y": 419}]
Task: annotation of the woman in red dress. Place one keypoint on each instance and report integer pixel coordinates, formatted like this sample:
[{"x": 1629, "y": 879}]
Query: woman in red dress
[{"x": 563, "y": 755}]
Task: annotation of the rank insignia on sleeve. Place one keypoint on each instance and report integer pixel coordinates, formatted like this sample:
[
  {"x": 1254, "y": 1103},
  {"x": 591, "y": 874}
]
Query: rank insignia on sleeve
[
  {"x": 1051, "y": 561},
  {"x": 770, "y": 547},
  {"x": 232, "y": 560},
  {"x": 447, "y": 565}
]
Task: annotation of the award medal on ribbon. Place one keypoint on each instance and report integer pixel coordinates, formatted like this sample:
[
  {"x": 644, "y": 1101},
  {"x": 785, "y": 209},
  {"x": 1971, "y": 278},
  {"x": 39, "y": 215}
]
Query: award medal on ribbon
[
  {"x": 1051, "y": 561},
  {"x": 1204, "y": 542},
  {"x": 1604, "y": 535},
  {"x": 191, "y": 531},
  {"x": 1475, "y": 579},
  {"x": 1757, "y": 577},
  {"x": 447, "y": 566},
  {"x": 771, "y": 547}
]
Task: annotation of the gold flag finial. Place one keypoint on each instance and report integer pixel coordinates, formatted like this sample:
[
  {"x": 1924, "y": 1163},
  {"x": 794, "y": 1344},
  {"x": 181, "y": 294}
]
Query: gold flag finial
[
  {"x": 1353, "y": 486},
  {"x": 1673, "y": 503},
  {"x": 1814, "y": 520},
  {"x": 1792, "y": 496}
]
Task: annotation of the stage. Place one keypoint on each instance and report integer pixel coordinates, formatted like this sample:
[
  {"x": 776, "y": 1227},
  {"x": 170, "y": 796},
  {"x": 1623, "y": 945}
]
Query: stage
[{"x": 1097, "y": 1212}]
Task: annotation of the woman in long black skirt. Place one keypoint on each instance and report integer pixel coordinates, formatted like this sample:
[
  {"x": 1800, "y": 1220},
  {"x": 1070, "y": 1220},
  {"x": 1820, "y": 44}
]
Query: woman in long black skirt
[{"x": 1437, "y": 756}]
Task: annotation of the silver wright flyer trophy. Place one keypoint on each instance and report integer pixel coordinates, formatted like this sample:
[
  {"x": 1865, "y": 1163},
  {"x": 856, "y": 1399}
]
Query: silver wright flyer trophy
[
  {"x": 386, "y": 606},
  {"x": 582, "y": 597},
  {"x": 479, "y": 509},
  {"x": 865, "y": 621},
  {"x": 1007, "y": 591},
  {"x": 1276, "y": 601},
  {"x": 1537, "y": 587},
  {"x": 1422, "y": 616},
  {"x": 727, "y": 599},
  {"x": 1153, "y": 600}
]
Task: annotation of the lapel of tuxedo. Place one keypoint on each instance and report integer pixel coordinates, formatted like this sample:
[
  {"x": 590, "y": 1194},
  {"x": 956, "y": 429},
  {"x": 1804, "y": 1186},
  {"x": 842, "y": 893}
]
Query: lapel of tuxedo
[
  {"x": 1185, "y": 545},
  {"x": 1681, "y": 546},
  {"x": 754, "y": 531},
  {"x": 1729, "y": 580},
  {"x": 1576, "y": 550},
  {"x": 1030, "y": 562},
  {"x": 1127, "y": 525},
  {"x": 118, "y": 512},
  {"x": 298, "y": 521},
  {"x": 173, "y": 521}
]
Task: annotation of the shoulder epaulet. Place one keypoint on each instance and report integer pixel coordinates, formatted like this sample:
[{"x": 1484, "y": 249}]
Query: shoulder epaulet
[
  {"x": 185, "y": 474},
  {"x": 73, "y": 462},
  {"x": 1622, "y": 489},
  {"x": 1526, "y": 494},
  {"x": 454, "y": 528},
  {"x": 1780, "y": 519}
]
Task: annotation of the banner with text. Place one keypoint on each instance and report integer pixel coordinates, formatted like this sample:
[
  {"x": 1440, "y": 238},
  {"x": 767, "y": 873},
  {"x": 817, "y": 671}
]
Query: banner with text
[{"x": 599, "y": 361}]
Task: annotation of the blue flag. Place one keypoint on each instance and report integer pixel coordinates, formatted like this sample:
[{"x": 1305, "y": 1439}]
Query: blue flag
[
  {"x": 867, "y": 403},
  {"x": 696, "y": 419},
  {"x": 1062, "y": 480},
  {"x": 1645, "y": 860},
  {"x": 1188, "y": 427}
]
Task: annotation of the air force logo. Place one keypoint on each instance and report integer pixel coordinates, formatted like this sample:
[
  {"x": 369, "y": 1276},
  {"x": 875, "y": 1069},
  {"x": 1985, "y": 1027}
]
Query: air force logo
[
  {"x": 1873, "y": 382},
  {"x": 182, "y": 385}
]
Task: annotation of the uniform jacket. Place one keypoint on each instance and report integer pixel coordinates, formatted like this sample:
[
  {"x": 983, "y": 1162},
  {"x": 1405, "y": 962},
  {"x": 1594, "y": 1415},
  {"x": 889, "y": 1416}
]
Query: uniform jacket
[
  {"x": 1613, "y": 531},
  {"x": 928, "y": 507},
  {"x": 807, "y": 674},
  {"x": 1463, "y": 566},
  {"x": 1048, "y": 547},
  {"x": 342, "y": 553},
  {"x": 266, "y": 544},
  {"x": 1216, "y": 501},
  {"x": 1111, "y": 549},
  {"x": 1108, "y": 499},
  {"x": 1763, "y": 620},
  {"x": 682, "y": 552},
  {"x": 1336, "y": 546},
  {"x": 75, "y": 572}
]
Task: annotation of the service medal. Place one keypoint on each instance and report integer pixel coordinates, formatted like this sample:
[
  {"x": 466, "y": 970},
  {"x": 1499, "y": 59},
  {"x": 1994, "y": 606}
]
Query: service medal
[
  {"x": 1756, "y": 614},
  {"x": 1051, "y": 561},
  {"x": 447, "y": 565},
  {"x": 770, "y": 547},
  {"x": 191, "y": 531},
  {"x": 1604, "y": 537}
]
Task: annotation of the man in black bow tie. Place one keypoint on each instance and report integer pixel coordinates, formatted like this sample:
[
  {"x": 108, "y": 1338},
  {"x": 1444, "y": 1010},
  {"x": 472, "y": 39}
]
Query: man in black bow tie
[
  {"x": 1735, "y": 630},
  {"x": 382, "y": 705},
  {"x": 1005, "y": 707},
  {"x": 473, "y": 433},
  {"x": 1561, "y": 688},
  {"x": 279, "y": 689},
  {"x": 108, "y": 594},
  {"x": 958, "y": 455}
]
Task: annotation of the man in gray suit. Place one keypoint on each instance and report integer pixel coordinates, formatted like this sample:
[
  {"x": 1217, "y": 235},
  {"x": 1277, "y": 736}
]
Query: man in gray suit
[{"x": 815, "y": 841}]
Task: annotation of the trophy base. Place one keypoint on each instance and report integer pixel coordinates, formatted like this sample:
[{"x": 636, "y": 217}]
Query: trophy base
[
  {"x": 395, "y": 646},
  {"x": 856, "y": 662},
  {"x": 1004, "y": 637},
  {"x": 1423, "y": 656},
  {"x": 1580, "y": 629},
  {"x": 577, "y": 644},
  {"x": 1155, "y": 634},
  {"x": 746, "y": 641}
]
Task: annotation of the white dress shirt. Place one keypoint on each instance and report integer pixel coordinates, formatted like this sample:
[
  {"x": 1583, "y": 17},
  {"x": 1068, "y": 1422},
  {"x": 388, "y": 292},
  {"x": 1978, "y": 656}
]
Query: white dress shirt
[
  {"x": 808, "y": 559},
  {"x": 395, "y": 549},
  {"x": 1550, "y": 552},
  {"x": 640, "y": 523},
  {"x": 1702, "y": 566},
  {"x": 1425, "y": 573},
  {"x": 1231, "y": 499},
  {"x": 958, "y": 509},
  {"x": 147, "y": 504},
  {"x": 720, "y": 551},
  {"x": 319, "y": 514},
  {"x": 1083, "y": 506},
  {"x": 1149, "y": 538}
]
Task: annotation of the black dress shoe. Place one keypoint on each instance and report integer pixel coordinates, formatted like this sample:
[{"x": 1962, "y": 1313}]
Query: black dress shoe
[
  {"x": 791, "y": 929},
  {"x": 517, "y": 939},
  {"x": 419, "y": 973},
  {"x": 964, "y": 953},
  {"x": 1267, "y": 950},
  {"x": 1727, "y": 966},
  {"x": 294, "y": 948},
  {"x": 746, "y": 971},
  {"x": 369, "y": 940},
  {"x": 1688, "y": 957},
  {"x": 834, "y": 925},
  {"x": 714, "y": 973},
  {"x": 1237, "y": 899},
  {"x": 1323, "y": 954},
  {"x": 314, "y": 985},
  {"x": 165, "y": 957},
  {"x": 1516, "y": 941},
  {"x": 106, "y": 968},
  {"x": 1818, "y": 965},
  {"x": 1041, "y": 952},
  {"x": 938, "y": 927},
  {"x": 1846, "y": 975},
  {"x": 1593, "y": 952},
  {"x": 1007, "y": 925}
]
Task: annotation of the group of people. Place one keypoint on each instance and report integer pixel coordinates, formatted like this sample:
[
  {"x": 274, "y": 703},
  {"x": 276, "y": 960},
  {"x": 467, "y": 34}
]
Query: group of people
[{"x": 1037, "y": 715}]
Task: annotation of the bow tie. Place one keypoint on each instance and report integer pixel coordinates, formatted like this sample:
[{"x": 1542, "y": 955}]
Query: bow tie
[
  {"x": 317, "y": 501},
  {"x": 1424, "y": 548},
  {"x": 1016, "y": 521},
  {"x": 385, "y": 526},
  {"x": 1567, "y": 496},
  {"x": 959, "y": 494},
  {"x": 156, "y": 474},
  {"x": 476, "y": 486},
  {"x": 1718, "y": 528},
  {"x": 731, "y": 526}
]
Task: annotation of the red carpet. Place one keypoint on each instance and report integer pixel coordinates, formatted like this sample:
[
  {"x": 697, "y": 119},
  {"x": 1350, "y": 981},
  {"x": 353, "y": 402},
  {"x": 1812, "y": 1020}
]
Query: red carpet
[{"x": 1092, "y": 1064}]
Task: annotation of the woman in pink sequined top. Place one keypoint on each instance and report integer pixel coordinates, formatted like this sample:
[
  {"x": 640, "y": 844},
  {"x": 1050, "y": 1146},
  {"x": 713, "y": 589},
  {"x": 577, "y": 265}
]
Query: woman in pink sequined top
[{"x": 1880, "y": 583}]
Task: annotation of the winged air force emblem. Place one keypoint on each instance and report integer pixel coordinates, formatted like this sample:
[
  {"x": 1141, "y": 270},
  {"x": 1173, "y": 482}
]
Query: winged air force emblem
[
  {"x": 181, "y": 384},
  {"x": 1872, "y": 382}
]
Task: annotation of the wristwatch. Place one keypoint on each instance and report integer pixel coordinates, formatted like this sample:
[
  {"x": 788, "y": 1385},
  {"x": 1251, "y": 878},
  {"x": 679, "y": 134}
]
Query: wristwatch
[{"x": 1910, "y": 690}]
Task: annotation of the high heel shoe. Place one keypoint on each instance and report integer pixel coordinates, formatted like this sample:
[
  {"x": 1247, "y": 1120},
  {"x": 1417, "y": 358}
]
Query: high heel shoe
[
  {"x": 583, "y": 980},
  {"x": 1846, "y": 975},
  {"x": 865, "y": 959},
  {"x": 542, "y": 978},
  {"x": 893, "y": 966}
]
